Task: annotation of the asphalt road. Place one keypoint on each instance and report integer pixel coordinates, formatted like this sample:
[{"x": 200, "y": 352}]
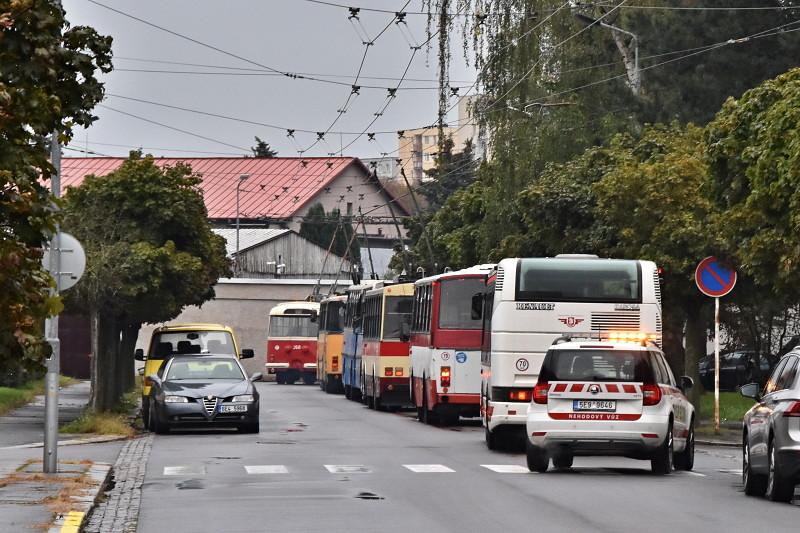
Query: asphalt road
[{"x": 387, "y": 472}]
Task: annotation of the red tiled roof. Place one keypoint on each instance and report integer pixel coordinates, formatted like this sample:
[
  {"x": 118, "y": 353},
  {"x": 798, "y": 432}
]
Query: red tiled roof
[{"x": 288, "y": 183}]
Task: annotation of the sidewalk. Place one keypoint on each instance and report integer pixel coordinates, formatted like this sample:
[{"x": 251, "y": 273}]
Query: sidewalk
[{"x": 31, "y": 500}]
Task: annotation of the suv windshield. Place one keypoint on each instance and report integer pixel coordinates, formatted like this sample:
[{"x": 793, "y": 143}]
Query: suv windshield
[
  {"x": 292, "y": 326},
  {"x": 204, "y": 368},
  {"x": 596, "y": 365},
  {"x": 169, "y": 343},
  {"x": 455, "y": 311}
]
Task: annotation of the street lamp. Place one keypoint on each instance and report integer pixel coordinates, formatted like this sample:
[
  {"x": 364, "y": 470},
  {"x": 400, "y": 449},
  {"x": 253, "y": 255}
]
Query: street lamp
[{"x": 242, "y": 178}]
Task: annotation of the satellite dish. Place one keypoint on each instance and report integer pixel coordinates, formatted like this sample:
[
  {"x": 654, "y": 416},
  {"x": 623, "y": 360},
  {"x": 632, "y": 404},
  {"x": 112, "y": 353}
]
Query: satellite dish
[{"x": 73, "y": 261}]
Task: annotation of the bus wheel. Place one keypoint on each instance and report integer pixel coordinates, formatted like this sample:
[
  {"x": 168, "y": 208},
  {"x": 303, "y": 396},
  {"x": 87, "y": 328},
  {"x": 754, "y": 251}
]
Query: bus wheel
[
  {"x": 309, "y": 379},
  {"x": 427, "y": 415},
  {"x": 348, "y": 392},
  {"x": 492, "y": 438},
  {"x": 330, "y": 387},
  {"x": 280, "y": 379},
  {"x": 376, "y": 400}
]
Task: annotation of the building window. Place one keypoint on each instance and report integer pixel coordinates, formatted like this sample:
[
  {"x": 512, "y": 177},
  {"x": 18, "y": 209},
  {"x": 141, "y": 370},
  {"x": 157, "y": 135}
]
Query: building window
[{"x": 349, "y": 208}]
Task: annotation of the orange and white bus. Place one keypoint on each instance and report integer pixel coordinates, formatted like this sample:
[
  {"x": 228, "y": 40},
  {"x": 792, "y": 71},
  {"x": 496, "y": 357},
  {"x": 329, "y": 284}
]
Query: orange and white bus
[
  {"x": 329, "y": 344},
  {"x": 446, "y": 345},
  {"x": 292, "y": 342},
  {"x": 384, "y": 359}
]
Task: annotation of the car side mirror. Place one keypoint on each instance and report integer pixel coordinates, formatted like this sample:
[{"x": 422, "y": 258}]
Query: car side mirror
[
  {"x": 751, "y": 390},
  {"x": 686, "y": 383},
  {"x": 256, "y": 377},
  {"x": 247, "y": 353},
  {"x": 138, "y": 354},
  {"x": 405, "y": 332},
  {"x": 152, "y": 379},
  {"x": 476, "y": 313}
]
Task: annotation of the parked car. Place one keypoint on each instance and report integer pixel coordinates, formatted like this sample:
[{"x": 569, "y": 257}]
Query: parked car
[
  {"x": 198, "y": 390},
  {"x": 735, "y": 369},
  {"x": 771, "y": 433}
]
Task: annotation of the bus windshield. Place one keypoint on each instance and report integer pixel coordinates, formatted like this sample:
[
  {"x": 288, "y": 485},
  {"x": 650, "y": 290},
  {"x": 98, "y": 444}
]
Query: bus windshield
[
  {"x": 170, "y": 343},
  {"x": 334, "y": 317},
  {"x": 455, "y": 309},
  {"x": 396, "y": 311},
  {"x": 579, "y": 280},
  {"x": 292, "y": 326}
]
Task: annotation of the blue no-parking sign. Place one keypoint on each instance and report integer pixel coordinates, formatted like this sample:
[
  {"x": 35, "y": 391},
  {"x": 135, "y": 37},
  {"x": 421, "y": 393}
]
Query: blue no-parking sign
[{"x": 713, "y": 279}]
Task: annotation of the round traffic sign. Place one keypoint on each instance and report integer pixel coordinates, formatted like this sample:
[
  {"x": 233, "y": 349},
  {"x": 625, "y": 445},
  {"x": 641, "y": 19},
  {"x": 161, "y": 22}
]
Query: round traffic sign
[{"x": 713, "y": 279}]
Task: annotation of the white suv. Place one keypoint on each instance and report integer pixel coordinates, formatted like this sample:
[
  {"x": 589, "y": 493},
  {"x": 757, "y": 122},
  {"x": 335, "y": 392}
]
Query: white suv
[{"x": 609, "y": 398}]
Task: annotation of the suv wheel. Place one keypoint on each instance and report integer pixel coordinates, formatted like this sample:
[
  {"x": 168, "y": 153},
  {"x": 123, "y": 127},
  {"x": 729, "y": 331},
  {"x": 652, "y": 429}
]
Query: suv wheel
[
  {"x": 685, "y": 459},
  {"x": 536, "y": 457},
  {"x": 662, "y": 461},
  {"x": 754, "y": 484},
  {"x": 779, "y": 489}
]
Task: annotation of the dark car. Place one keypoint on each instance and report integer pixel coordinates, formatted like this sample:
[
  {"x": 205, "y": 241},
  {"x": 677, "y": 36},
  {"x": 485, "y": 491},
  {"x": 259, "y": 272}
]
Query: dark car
[
  {"x": 735, "y": 369},
  {"x": 202, "y": 391}
]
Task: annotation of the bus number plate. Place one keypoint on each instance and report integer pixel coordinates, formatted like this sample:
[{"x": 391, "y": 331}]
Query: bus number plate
[{"x": 594, "y": 405}]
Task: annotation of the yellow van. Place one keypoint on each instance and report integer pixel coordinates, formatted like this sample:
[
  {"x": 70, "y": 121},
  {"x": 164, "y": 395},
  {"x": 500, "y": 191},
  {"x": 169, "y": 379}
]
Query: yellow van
[{"x": 184, "y": 339}]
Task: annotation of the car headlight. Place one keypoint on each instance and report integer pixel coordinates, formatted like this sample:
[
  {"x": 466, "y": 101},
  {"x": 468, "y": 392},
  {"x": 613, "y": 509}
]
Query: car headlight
[
  {"x": 244, "y": 398},
  {"x": 176, "y": 399}
]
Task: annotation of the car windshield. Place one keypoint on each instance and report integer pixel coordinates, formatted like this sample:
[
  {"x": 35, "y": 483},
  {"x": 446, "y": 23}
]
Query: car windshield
[
  {"x": 292, "y": 326},
  {"x": 596, "y": 365},
  {"x": 455, "y": 311},
  {"x": 168, "y": 343},
  {"x": 204, "y": 369}
]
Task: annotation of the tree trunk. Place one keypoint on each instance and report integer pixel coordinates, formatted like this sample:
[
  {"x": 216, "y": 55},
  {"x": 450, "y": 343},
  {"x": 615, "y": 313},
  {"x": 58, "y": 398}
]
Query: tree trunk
[
  {"x": 106, "y": 389},
  {"x": 126, "y": 365},
  {"x": 696, "y": 341},
  {"x": 673, "y": 343}
]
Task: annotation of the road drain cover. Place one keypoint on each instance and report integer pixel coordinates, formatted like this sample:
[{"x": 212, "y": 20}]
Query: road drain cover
[
  {"x": 190, "y": 484},
  {"x": 368, "y": 496}
]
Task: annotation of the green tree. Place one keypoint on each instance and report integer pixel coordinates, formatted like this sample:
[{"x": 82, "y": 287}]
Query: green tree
[
  {"x": 263, "y": 150},
  {"x": 320, "y": 228},
  {"x": 47, "y": 83},
  {"x": 453, "y": 171},
  {"x": 158, "y": 256}
]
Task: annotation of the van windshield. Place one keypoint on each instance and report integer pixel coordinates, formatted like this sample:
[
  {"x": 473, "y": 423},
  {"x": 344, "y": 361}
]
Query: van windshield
[
  {"x": 168, "y": 343},
  {"x": 596, "y": 365}
]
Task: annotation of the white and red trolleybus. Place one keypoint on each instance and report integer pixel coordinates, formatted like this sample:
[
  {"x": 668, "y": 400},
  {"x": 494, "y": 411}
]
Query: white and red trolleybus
[
  {"x": 530, "y": 302},
  {"x": 446, "y": 345},
  {"x": 384, "y": 359},
  {"x": 292, "y": 342}
]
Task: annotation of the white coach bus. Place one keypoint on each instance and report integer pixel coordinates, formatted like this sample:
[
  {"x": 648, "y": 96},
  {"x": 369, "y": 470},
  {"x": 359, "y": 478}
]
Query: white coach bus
[{"x": 530, "y": 302}]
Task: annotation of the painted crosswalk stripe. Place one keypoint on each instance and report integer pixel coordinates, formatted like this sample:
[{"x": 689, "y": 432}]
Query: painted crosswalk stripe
[
  {"x": 266, "y": 469},
  {"x": 429, "y": 468},
  {"x": 507, "y": 469},
  {"x": 185, "y": 470},
  {"x": 690, "y": 473},
  {"x": 348, "y": 469}
]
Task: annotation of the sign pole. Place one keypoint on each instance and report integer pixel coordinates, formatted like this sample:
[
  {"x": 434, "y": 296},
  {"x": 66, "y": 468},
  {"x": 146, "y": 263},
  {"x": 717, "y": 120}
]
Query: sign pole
[
  {"x": 716, "y": 365},
  {"x": 53, "y": 363}
]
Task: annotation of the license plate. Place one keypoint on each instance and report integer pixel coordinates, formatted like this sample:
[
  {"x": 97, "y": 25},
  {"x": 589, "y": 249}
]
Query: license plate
[
  {"x": 232, "y": 408},
  {"x": 594, "y": 405}
]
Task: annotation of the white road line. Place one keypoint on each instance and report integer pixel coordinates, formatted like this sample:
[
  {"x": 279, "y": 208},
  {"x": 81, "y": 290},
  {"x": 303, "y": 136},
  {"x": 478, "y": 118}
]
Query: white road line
[
  {"x": 348, "y": 469},
  {"x": 691, "y": 473},
  {"x": 734, "y": 472},
  {"x": 507, "y": 469},
  {"x": 428, "y": 468},
  {"x": 185, "y": 470},
  {"x": 266, "y": 469}
]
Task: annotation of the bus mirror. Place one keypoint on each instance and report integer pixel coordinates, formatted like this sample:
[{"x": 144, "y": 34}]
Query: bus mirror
[
  {"x": 247, "y": 353},
  {"x": 314, "y": 317},
  {"x": 138, "y": 354},
  {"x": 477, "y": 306}
]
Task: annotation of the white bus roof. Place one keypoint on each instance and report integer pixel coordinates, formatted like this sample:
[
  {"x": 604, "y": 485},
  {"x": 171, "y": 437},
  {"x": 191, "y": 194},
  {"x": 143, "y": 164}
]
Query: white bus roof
[
  {"x": 477, "y": 269},
  {"x": 282, "y": 307}
]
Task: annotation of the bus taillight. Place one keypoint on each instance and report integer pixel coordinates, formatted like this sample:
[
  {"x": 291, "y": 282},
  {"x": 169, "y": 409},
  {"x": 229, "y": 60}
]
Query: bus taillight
[
  {"x": 398, "y": 371},
  {"x": 444, "y": 376},
  {"x": 388, "y": 371},
  {"x": 335, "y": 363}
]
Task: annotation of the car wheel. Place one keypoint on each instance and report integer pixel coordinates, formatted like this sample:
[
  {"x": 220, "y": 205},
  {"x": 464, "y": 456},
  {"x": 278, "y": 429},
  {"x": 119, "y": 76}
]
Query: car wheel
[
  {"x": 146, "y": 413},
  {"x": 779, "y": 489},
  {"x": 754, "y": 484},
  {"x": 663, "y": 459},
  {"x": 537, "y": 459},
  {"x": 563, "y": 460},
  {"x": 685, "y": 459},
  {"x": 156, "y": 424}
]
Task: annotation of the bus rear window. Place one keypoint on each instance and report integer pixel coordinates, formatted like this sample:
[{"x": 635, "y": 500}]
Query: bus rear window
[
  {"x": 579, "y": 280},
  {"x": 396, "y": 311},
  {"x": 455, "y": 309},
  {"x": 292, "y": 326},
  {"x": 596, "y": 365}
]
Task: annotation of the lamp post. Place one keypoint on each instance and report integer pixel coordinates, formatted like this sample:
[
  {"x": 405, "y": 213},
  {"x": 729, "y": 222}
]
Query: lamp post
[{"x": 242, "y": 178}]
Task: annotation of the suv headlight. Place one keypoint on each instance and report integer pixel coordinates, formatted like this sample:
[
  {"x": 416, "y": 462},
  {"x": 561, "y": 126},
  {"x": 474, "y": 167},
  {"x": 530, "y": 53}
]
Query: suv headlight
[
  {"x": 244, "y": 398},
  {"x": 176, "y": 399}
]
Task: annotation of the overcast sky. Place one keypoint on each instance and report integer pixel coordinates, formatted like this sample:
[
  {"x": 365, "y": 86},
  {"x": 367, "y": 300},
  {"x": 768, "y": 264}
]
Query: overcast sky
[{"x": 287, "y": 35}]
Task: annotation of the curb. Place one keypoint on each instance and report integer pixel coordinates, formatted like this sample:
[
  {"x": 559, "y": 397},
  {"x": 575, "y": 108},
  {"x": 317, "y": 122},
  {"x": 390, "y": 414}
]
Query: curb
[
  {"x": 71, "y": 442},
  {"x": 82, "y": 504},
  {"x": 725, "y": 443}
]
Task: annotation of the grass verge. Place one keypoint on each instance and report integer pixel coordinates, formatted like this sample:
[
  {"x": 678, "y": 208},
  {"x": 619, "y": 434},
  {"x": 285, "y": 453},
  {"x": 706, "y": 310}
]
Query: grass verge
[
  {"x": 732, "y": 406},
  {"x": 107, "y": 423},
  {"x": 13, "y": 397}
]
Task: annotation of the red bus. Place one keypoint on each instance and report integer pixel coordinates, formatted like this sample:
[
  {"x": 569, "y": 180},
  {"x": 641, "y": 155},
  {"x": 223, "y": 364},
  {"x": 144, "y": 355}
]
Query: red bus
[
  {"x": 292, "y": 342},
  {"x": 446, "y": 346}
]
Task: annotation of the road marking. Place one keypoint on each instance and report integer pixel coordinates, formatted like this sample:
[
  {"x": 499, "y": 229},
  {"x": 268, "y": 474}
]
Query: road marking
[
  {"x": 734, "y": 472},
  {"x": 348, "y": 469},
  {"x": 507, "y": 469},
  {"x": 428, "y": 468},
  {"x": 266, "y": 469},
  {"x": 186, "y": 470}
]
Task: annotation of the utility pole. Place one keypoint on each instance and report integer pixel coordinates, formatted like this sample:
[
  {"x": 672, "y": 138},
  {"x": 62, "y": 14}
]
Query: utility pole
[{"x": 53, "y": 363}]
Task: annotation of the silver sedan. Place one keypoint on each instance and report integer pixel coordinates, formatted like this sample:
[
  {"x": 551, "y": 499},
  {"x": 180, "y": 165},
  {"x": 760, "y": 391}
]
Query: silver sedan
[{"x": 771, "y": 433}]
